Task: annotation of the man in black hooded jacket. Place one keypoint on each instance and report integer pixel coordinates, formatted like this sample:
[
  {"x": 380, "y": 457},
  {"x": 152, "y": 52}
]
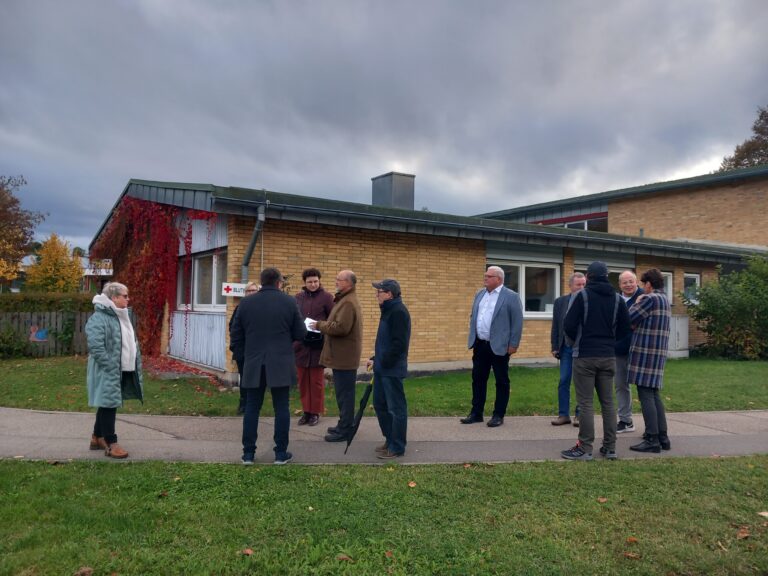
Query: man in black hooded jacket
[{"x": 596, "y": 319}]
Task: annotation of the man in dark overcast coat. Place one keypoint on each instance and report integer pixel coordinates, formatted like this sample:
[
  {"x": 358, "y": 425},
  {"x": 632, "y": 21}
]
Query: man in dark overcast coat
[{"x": 263, "y": 333}]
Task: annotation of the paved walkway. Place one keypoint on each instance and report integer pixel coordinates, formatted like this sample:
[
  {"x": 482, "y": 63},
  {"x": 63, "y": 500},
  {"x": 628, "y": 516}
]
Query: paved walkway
[{"x": 39, "y": 435}]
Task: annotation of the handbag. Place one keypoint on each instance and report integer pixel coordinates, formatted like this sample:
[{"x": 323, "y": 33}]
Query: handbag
[{"x": 314, "y": 340}]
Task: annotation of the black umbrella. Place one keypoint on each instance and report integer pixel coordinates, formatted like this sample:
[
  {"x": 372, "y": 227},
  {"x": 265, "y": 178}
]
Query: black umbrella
[{"x": 359, "y": 415}]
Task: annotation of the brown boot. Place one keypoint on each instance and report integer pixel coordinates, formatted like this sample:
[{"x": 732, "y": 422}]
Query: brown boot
[
  {"x": 114, "y": 451},
  {"x": 97, "y": 443}
]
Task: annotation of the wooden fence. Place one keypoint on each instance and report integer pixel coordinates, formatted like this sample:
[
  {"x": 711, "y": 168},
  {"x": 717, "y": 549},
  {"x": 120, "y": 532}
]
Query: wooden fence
[{"x": 44, "y": 332}]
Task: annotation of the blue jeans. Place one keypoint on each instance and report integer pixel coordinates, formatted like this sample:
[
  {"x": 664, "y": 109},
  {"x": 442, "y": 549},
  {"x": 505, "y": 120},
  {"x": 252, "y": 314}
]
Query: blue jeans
[
  {"x": 391, "y": 410},
  {"x": 564, "y": 386},
  {"x": 254, "y": 398}
]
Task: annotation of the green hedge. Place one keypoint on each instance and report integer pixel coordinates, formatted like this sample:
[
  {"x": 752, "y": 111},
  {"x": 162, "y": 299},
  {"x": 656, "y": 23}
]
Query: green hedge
[{"x": 45, "y": 302}]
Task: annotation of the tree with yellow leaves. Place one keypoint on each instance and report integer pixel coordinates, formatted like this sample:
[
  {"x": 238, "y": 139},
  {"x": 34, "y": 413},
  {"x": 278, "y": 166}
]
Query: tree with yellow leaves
[
  {"x": 17, "y": 227},
  {"x": 56, "y": 270}
]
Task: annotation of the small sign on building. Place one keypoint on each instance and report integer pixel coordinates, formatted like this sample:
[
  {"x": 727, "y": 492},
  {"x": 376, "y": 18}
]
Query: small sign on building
[{"x": 232, "y": 289}]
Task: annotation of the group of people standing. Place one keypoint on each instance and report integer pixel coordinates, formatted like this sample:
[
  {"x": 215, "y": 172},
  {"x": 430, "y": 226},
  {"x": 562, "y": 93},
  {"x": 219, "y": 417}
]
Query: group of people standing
[
  {"x": 604, "y": 339},
  {"x": 608, "y": 341},
  {"x": 285, "y": 340}
]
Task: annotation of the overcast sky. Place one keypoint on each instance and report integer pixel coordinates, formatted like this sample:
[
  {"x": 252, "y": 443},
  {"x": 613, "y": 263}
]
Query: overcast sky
[{"x": 491, "y": 104}]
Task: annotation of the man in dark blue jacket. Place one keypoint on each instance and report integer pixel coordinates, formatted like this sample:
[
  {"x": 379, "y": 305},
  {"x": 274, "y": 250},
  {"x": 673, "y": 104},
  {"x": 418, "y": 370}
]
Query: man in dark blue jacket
[
  {"x": 390, "y": 366},
  {"x": 596, "y": 319},
  {"x": 629, "y": 291}
]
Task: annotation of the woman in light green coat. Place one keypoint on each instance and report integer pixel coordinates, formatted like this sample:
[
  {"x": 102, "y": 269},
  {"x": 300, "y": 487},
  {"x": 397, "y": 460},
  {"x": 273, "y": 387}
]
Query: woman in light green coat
[{"x": 114, "y": 364}]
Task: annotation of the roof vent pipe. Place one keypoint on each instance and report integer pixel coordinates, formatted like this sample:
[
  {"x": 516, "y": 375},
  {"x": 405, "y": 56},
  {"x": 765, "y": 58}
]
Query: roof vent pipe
[
  {"x": 394, "y": 190},
  {"x": 260, "y": 218}
]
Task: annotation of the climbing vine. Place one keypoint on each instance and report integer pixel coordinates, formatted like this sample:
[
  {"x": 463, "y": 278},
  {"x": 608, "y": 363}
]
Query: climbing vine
[{"x": 142, "y": 239}]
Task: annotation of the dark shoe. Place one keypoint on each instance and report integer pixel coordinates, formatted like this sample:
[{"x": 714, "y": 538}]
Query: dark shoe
[
  {"x": 664, "y": 442},
  {"x": 650, "y": 443},
  {"x": 560, "y": 420},
  {"x": 283, "y": 458},
  {"x": 576, "y": 421},
  {"x": 335, "y": 437},
  {"x": 314, "y": 420},
  {"x": 576, "y": 453},
  {"x": 332, "y": 430},
  {"x": 388, "y": 455},
  {"x": 98, "y": 443},
  {"x": 623, "y": 427},
  {"x": 471, "y": 419},
  {"x": 495, "y": 421},
  {"x": 114, "y": 451},
  {"x": 247, "y": 460},
  {"x": 381, "y": 449},
  {"x": 304, "y": 419},
  {"x": 608, "y": 454}
]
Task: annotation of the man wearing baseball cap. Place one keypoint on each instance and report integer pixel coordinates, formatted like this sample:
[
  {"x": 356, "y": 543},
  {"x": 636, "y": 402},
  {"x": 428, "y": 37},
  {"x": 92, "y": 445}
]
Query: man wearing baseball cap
[{"x": 390, "y": 367}]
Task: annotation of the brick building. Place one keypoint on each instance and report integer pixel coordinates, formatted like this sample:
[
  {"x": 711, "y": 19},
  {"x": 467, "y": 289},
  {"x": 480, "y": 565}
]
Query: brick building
[{"x": 439, "y": 260}]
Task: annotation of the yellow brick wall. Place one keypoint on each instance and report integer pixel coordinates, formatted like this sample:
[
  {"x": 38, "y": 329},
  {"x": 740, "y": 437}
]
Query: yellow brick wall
[
  {"x": 438, "y": 276},
  {"x": 734, "y": 214}
]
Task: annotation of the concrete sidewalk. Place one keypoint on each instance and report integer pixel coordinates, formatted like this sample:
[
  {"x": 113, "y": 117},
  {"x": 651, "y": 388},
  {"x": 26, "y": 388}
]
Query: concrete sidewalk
[{"x": 39, "y": 435}]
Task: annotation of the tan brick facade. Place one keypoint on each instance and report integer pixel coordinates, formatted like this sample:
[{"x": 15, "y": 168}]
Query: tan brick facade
[
  {"x": 731, "y": 214},
  {"x": 439, "y": 276}
]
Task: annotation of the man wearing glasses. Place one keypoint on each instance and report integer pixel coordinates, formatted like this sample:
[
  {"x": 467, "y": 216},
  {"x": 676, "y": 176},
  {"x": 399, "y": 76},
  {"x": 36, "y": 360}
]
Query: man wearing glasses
[
  {"x": 342, "y": 349},
  {"x": 495, "y": 328}
]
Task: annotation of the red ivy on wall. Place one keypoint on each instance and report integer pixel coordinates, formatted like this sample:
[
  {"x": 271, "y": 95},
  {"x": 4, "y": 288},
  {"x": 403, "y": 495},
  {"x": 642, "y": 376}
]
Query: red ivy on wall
[{"x": 142, "y": 239}]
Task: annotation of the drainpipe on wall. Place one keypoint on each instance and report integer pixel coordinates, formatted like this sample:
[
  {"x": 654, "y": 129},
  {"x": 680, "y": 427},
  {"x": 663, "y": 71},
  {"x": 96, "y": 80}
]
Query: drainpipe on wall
[{"x": 260, "y": 218}]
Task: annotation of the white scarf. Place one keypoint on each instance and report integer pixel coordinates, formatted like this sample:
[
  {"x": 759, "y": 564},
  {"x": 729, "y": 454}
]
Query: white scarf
[{"x": 128, "y": 351}]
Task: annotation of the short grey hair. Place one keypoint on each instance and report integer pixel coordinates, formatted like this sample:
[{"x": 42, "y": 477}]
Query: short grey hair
[
  {"x": 574, "y": 276},
  {"x": 113, "y": 289},
  {"x": 499, "y": 271}
]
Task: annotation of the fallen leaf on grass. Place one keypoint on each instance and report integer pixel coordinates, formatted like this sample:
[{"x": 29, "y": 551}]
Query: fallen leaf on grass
[
  {"x": 84, "y": 571},
  {"x": 723, "y": 548},
  {"x": 631, "y": 540},
  {"x": 389, "y": 554},
  {"x": 344, "y": 557},
  {"x": 177, "y": 479},
  {"x": 763, "y": 514},
  {"x": 602, "y": 499},
  {"x": 310, "y": 508},
  {"x": 18, "y": 457},
  {"x": 163, "y": 494},
  {"x": 467, "y": 465},
  {"x": 297, "y": 412},
  {"x": 632, "y": 555},
  {"x": 247, "y": 552},
  {"x": 743, "y": 533},
  {"x": 412, "y": 484}
]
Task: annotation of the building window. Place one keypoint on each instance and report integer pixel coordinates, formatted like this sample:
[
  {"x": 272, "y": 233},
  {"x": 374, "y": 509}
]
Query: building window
[
  {"x": 199, "y": 282},
  {"x": 537, "y": 285},
  {"x": 691, "y": 285},
  {"x": 668, "y": 285}
]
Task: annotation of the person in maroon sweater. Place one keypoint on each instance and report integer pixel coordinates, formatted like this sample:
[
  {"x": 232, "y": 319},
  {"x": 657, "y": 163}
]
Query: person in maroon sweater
[{"x": 315, "y": 303}]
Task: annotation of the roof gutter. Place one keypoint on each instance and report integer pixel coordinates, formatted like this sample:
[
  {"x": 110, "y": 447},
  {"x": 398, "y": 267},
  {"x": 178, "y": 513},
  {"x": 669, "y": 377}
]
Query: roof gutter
[{"x": 260, "y": 219}]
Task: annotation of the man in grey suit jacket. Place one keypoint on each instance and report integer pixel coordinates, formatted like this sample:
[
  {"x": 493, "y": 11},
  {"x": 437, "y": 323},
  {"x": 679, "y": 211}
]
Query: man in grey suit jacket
[
  {"x": 263, "y": 332},
  {"x": 495, "y": 328}
]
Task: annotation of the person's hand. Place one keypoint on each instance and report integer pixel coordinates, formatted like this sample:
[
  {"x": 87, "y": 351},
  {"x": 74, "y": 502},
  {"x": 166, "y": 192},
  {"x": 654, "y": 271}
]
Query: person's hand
[
  {"x": 511, "y": 350},
  {"x": 640, "y": 298},
  {"x": 369, "y": 365},
  {"x": 312, "y": 325},
  {"x": 556, "y": 354}
]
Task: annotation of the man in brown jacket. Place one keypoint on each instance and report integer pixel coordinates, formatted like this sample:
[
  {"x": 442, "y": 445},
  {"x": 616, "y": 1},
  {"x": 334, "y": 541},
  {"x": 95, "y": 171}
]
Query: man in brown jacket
[{"x": 342, "y": 350}]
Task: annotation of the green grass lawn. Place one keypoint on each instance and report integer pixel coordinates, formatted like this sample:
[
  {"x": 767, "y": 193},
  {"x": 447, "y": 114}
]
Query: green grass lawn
[
  {"x": 690, "y": 385},
  {"x": 661, "y": 516}
]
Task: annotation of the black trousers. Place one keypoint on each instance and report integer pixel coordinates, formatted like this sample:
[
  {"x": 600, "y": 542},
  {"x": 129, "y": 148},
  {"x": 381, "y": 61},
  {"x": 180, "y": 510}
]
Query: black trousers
[
  {"x": 483, "y": 360},
  {"x": 344, "y": 385},
  {"x": 105, "y": 424},
  {"x": 653, "y": 411}
]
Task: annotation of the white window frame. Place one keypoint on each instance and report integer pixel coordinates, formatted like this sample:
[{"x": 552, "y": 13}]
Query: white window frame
[
  {"x": 697, "y": 278},
  {"x": 215, "y": 283},
  {"x": 521, "y": 282},
  {"x": 669, "y": 283}
]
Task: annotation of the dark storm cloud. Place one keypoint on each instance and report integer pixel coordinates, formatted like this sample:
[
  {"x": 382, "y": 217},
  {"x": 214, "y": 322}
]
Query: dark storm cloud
[{"x": 490, "y": 104}]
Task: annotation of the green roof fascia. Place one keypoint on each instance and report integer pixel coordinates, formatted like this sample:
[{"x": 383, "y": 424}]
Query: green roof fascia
[{"x": 694, "y": 181}]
